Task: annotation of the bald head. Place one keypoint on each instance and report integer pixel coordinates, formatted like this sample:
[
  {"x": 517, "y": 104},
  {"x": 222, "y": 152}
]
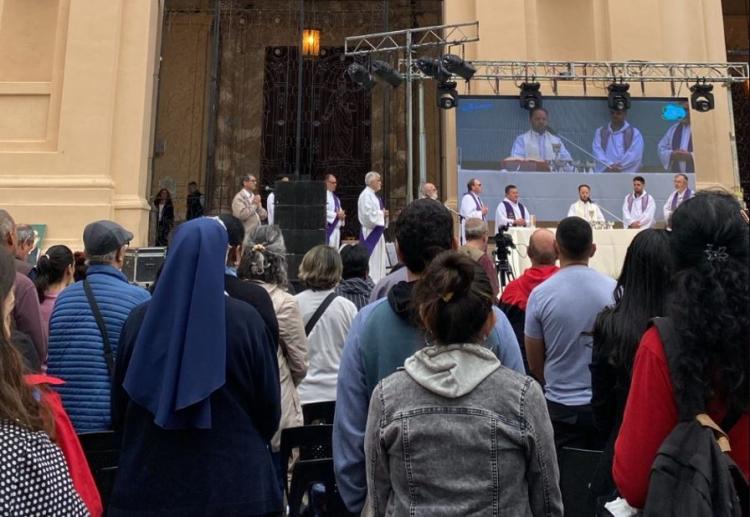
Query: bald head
[{"x": 542, "y": 248}]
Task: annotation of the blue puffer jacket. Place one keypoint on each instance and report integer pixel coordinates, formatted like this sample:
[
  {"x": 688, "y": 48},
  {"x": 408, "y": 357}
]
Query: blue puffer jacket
[{"x": 76, "y": 348}]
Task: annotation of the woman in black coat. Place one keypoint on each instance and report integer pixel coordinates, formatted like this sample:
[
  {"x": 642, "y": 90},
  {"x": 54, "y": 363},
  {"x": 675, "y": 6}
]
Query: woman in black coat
[
  {"x": 164, "y": 217},
  {"x": 196, "y": 393}
]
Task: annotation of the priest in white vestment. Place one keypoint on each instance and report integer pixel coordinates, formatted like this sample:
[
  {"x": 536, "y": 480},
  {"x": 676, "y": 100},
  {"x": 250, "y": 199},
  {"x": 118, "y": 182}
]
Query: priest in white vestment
[
  {"x": 585, "y": 208},
  {"x": 373, "y": 216},
  {"x": 618, "y": 146},
  {"x": 639, "y": 206},
  {"x": 472, "y": 206},
  {"x": 271, "y": 202},
  {"x": 510, "y": 211},
  {"x": 680, "y": 194},
  {"x": 538, "y": 143},
  {"x": 676, "y": 146},
  {"x": 335, "y": 215}
]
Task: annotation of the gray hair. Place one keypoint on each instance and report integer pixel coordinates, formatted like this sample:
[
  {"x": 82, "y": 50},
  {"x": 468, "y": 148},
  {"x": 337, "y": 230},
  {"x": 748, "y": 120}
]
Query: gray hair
[
  {"x": 107, "y": 258},
  {"x": 247, "y": 177},
  {"x": 321, "y": 268},
  {"x": 371, "y": 176},
  {"x": 24, "y": 234},
  {"x": 264, "y": 256},
  {"x": 7, "y": 224},
  {"x": 475, "y": 229}
]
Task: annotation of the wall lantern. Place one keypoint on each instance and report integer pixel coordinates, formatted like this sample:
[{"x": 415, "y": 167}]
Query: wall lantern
[{"x": 311, "y": 42}]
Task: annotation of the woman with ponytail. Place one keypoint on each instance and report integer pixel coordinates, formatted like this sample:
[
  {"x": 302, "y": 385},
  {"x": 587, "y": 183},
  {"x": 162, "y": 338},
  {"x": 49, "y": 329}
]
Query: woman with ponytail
[
  {"x": 54, "y": 272},
  {"x": 455, "y": 432},
  {"x": 709, "y": 310}
]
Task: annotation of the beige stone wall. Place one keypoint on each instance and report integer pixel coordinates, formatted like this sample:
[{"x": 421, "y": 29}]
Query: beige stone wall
[
  {"x": 603, "y": 30},
  {"x": 76, "y": 95}
]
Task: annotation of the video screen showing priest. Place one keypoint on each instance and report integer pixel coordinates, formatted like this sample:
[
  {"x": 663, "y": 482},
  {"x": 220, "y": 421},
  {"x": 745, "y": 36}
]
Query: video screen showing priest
[{"x": 574, "y": 135}]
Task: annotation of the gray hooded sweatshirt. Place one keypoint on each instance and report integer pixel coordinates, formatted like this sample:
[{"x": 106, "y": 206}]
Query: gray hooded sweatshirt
[{"x": 456, "y": 433}]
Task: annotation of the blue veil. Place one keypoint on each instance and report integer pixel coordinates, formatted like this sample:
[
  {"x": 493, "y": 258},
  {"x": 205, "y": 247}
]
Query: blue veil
[{"x": 179, "y": 357}]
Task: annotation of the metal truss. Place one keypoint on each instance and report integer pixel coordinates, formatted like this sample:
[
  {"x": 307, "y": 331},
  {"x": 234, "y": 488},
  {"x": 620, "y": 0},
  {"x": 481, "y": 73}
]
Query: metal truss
[{"x": 411, "y": 39}]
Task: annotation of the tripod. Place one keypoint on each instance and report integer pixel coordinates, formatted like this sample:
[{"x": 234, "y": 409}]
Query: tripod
[{"x": 502, "y": 266}]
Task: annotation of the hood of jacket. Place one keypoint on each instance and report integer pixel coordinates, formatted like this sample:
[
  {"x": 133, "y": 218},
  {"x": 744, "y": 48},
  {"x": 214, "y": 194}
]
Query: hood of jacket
[
  {"x": 399, "y": 298},
  {"x": 451, "y": 371},
  {"x": 356, "y": 286}
]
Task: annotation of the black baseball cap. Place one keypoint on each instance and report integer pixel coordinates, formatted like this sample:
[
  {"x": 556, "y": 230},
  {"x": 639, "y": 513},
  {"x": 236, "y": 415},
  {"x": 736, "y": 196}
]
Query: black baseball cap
[{"x": 102, "y": 237}]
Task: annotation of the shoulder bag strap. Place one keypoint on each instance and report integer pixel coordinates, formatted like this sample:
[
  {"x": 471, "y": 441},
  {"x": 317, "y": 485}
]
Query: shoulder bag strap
[
  {"x": 318, "y": 313},
  {"x": 108, "y": 358}
]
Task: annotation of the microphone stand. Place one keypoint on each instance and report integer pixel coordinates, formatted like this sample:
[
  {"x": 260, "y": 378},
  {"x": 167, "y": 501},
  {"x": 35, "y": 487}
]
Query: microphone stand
[
  {"x": 610, "y": 213},
  {"x": 584, "y": 151},
  {"x": 453, "y": 211}
]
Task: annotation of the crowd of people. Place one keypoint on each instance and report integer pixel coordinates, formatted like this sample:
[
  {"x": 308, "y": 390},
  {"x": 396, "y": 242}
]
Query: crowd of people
[{"x": 451, "y": 397}]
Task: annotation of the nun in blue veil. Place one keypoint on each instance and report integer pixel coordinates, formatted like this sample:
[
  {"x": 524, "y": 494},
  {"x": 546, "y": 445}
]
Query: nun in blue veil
[{"x": 195, "y": 392}]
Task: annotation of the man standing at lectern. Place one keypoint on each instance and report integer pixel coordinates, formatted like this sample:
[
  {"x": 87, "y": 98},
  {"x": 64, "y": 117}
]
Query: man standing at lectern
[
  {"x": 584, "y": 207},
  {"x": 334, "y": 214},
  {"x": 372, "y": 216},
  {"x": 618, "y": 146},
  {"x": 538, "y": 143},
  {"x": 510, "y": 211}
]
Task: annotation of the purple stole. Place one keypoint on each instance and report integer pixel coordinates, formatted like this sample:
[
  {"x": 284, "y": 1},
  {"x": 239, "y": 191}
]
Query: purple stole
[
  {"x": 676, "y": 140},
  {"x": 605, "y": 133},
  {"x": 510, "y": 214},
  {"x": 688, "y": 195},
  {"x": 478, "y": 203},
  {"x": 332, "y": 226},
  {"x": 644, "y": 202},
  {"x": 372, "y": 240}
]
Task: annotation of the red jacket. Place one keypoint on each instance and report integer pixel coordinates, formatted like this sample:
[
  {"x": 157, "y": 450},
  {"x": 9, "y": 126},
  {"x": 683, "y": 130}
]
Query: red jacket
[
  {"x": 517, "y": 292},
  {"x": 651, "y": 414},
  {"x": 67, "y": 440}
]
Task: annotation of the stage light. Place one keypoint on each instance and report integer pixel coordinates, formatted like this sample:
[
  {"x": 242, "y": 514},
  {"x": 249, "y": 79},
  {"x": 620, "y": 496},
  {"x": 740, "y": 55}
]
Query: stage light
[
  {"x": 360, "y": 75},
  {"x": 530, "y": 97},
  {"x": 385, "y": 72},
  {"x": 701, "y": 98},
  {"x": 447, "y": 95},
  {"x": 455, "y": 65},
  {"x": 618, "y": 98},
  {"x": 433, "y": 68}
]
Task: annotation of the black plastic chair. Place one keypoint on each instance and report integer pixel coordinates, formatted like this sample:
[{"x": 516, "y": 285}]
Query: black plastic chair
[
  {"x": 313, "y": 466},
  {"x": 102, "y": 450},
  {"x": 319, "y": 412},
  {"x": 577, "y": 467}
]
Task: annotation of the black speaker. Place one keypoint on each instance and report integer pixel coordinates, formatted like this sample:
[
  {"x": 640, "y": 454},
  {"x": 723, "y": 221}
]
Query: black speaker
[
  {"x": 140, "y": 265},
  {"x": 301, "y": 214}
]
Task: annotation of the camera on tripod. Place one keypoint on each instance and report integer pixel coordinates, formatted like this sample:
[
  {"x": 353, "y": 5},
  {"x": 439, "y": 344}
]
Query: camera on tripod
[{"x": 503, "y": 242}]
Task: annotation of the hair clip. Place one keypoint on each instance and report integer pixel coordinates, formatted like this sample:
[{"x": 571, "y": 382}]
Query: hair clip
[
  {"x": 719, "y": 253},
  {"x": 259, "y": 248},
  {"x": 447, "y": 297}
]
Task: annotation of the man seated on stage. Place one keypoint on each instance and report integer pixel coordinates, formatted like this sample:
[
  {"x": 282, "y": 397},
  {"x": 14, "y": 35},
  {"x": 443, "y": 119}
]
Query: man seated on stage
[
  {"x": 639, "y": 206},
  {"x": 476, "y": 248},
  {"x": 538, "y": 143},
  {"x": 510, "y": 212},
  {"x": 543, "y": 255},
  {"x": 618, "y": 146},
  {"x": 472, "y": 205},
  {"x": 585, "y": 208},
  {"x": 681, "y": 193},
  {"x": 676, "y": 146},
  {"x": 372, "y": 216}
]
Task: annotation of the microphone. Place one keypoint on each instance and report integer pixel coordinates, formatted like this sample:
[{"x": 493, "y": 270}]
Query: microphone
[
  {"x": 453, "y": 211},
  {"x": 584, "y": 151},
  {"x": 610, "y": 213}
]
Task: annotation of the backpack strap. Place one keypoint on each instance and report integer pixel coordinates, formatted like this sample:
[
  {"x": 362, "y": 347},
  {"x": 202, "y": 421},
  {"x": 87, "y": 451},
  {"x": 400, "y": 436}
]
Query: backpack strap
[
  {"x": 108, "y": 357},
  {"x": 318, "y": 313},
  {"x": 731, "y": 418}
]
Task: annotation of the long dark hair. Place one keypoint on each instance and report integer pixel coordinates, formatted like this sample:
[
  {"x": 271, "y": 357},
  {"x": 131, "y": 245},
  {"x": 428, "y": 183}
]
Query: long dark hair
[
  {"x": 710, "y": 302},
  {"x": 167, "y": 201},
  {"x": 453, "y": 298},
  {"x": 640, "y": 295},
  {"x": 50, "y": 268},
  {"x": 17, "y": 402}
]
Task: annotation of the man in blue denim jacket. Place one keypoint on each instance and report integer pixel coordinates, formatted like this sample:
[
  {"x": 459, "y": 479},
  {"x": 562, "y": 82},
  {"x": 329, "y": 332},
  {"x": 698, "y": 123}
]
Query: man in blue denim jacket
[{"x": 384, "y": 334}]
